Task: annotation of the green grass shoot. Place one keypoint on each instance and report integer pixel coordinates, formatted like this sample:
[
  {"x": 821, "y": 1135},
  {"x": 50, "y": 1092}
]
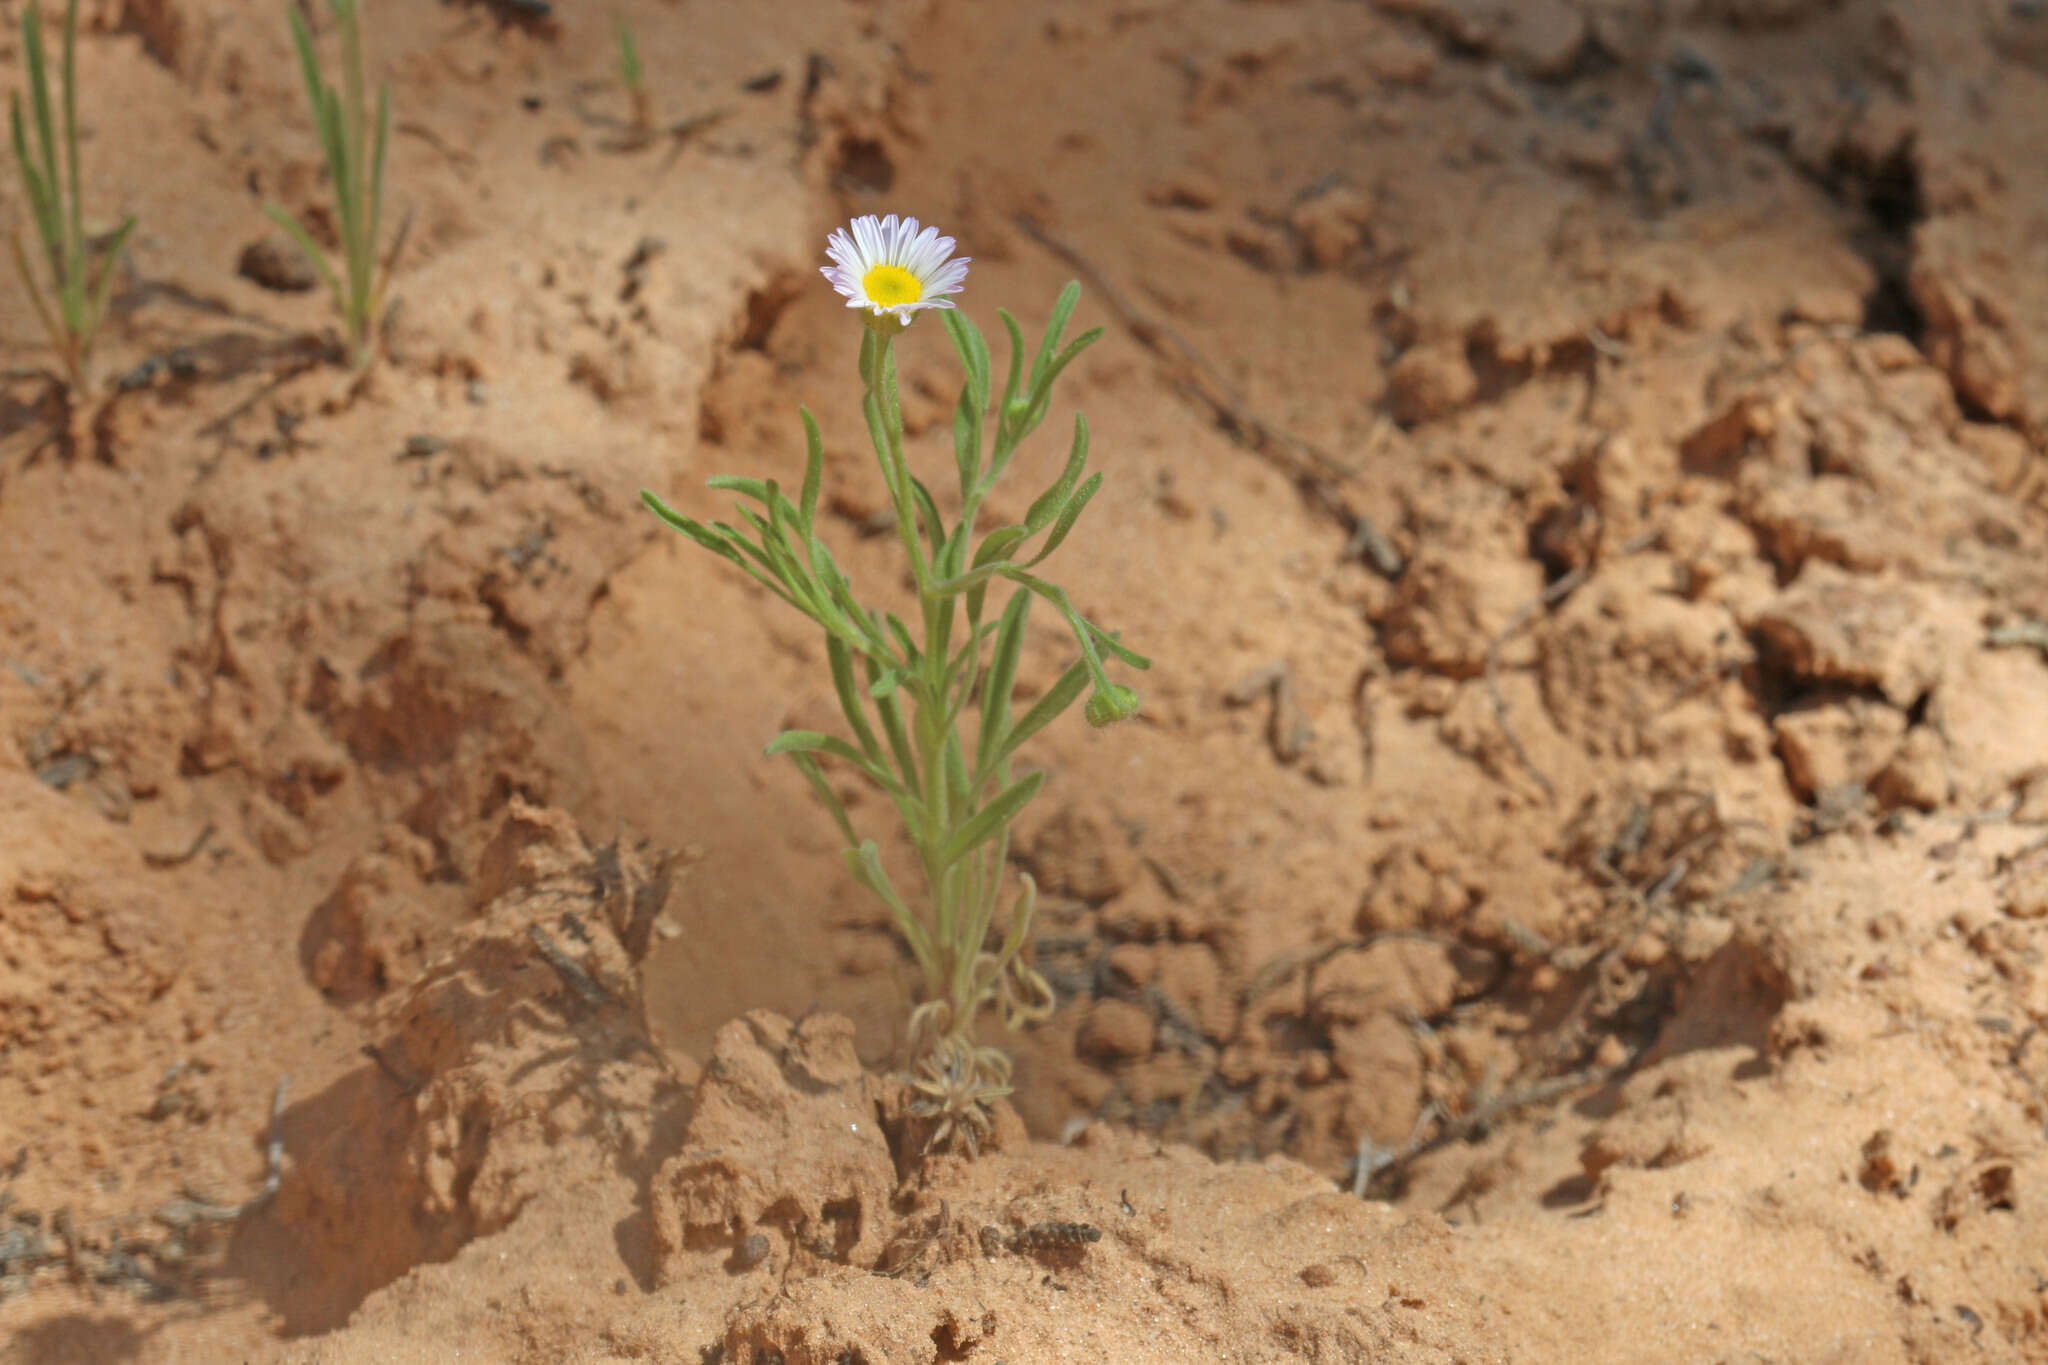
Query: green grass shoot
[
  {"x": 81, "y": 271},
  {"x": 630, "y": 77},
  {"x": 354, "y": 143}
]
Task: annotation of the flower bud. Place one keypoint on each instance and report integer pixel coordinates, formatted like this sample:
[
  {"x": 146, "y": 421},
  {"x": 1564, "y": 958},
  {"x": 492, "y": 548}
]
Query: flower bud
[{"x": 1107, "y": 708}]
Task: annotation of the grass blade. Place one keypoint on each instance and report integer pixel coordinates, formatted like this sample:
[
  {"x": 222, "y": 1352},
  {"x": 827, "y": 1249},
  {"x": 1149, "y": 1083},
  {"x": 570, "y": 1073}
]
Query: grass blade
[{"x": 311, "y": 250}]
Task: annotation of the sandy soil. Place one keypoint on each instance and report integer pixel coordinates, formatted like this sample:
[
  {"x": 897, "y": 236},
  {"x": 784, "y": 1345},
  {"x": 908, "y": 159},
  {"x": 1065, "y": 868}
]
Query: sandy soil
[{"x": 1577, "y": 891}]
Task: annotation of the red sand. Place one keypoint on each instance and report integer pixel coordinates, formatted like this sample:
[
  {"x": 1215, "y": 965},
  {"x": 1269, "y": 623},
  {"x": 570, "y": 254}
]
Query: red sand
[{"x": 1630, "y": 851}]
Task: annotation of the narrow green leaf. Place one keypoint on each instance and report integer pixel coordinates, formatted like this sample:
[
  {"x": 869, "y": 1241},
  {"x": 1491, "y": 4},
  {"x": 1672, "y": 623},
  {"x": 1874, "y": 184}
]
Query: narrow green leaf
[
  {"x": 962, "y": 665},
  {"x": 812, "y": 742},
  {"x": 51, "y": 326},
  {"x": 952, "y": 587},
  {"x": 44, "y": 210},
  {"x": 953, "y": 558},
  {"x": 967, "y": 442},
  {"x": 891, "y": 715},
  {"x": 865, "y": 862},
  {"x": 757, "y": 489},
  {"x": 1084, "y": 634},
  {"x": 885, "y": 686},
  {"x": 788, "y": 515},
  {"x": 788, "y": 569},
  {"x": 1054, "y": 498},
  {"x": 311, "y": 250},
  {"x": 814, "y": 470},
  {"x": 1109, "y": 645},
  {"x": 991, "y": 819},
  {"x": 982, "y": 369},
  {"x": 1073, "y": 351},
  {"x": 1041, "y": 392},
  {"x": 1062, "y": 310},
  {"x": 309, "y": 63},
  {"x": 928, "y": 510},
  {"x": 355, "y": 140},
  {"x": 1011, "y": 385},
  {"x": 999, "y": 543},
  {"x": 1047, "y": 709},
  {"x": 973, "y": 350},
  {"x": 859, "y": 622},
  {"x": 780, "y": 513},
  {"x": 1068, "y": 516},
  {"x": 20, "y": 141},
  {"x": 955, "y": 759},
  {"x": 766, "y": 571},
  {"x": 46, "y": 133},
  {"x": 74, "y": 241},
  {"x": 993, "y": 549},
  {"x": 1021, "y": 911},
  {"x": 103, "y": 284},
  {"x": 773, "y": 546},
  {"x": 375, "y": 191},
  {"x": 629, "y": 57},
  {"x": 911, "y": 653},
  {"x": 896, "y": 477},
  {"x": 1001, "y": 680},
  {"x": 334, "y": 144},
  {"x": 720, "y": 539},
  {"x": 696, "y": 531},
  {"x": 971, "y": 975},
  {"x": 828, "y": 798},
  {"x": 841, "y": 659}
]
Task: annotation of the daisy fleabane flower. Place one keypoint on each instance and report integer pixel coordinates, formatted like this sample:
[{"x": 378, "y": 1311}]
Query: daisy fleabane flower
[{"x": 888, "y": 267}]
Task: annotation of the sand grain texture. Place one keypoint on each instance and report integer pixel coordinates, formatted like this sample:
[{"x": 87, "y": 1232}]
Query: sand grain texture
[{"x": 1577, "y": 466}]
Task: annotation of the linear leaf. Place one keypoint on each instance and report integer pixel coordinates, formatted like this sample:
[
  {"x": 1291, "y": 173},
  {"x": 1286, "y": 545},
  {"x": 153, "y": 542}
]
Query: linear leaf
[
  {"x": 1054, "y": 498},
  {"x": 1016, "y": 376},
  {"x": 1062, "y": 309},
  {"x": 951, "y": 587},
  {"x": 103, "y": 286},
  {"x": 1041, "y": 392},
  {"x": 813, "y": 742},
  {"x": 311, "y": 251},
  {"x": 1068, "y": 516},
  {"x": 814, "y": 470},
  {"x": 891, "y": 714},
  {"x": 1001, "y": 680},
  {"x": 991, "y": 819},
  {"x": 828, "y": 798},
  {"x": 1072, "y": 683},
  {"x": 967, "y": 440},
  {"x": 757, "y": 489},
  {"x": 1110, "y": 645},
  {"x": 973, "y": 349},
  {"x": 35, "y": 292},
  {"x": 843, "y": 683},
  {"x": 865, "y": 862}
]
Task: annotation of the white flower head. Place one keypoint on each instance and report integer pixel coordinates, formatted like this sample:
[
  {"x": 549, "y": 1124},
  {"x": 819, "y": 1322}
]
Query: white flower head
[{"x": 888, "y": 267}]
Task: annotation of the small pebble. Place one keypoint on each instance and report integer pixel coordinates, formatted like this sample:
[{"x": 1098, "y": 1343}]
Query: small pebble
[{"x": 277, "y": 265}]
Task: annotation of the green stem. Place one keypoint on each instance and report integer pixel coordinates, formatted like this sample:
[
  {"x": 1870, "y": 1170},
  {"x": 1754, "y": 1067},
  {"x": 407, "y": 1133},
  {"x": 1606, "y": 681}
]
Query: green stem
[{"x": 954, "y": 892}]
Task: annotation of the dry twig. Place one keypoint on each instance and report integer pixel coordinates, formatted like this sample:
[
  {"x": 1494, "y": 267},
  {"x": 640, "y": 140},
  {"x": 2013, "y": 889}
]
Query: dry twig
[{"x": 1374, "y": 1162}]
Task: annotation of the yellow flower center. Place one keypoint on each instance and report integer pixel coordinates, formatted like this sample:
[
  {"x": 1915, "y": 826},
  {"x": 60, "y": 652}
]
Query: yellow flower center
[{"x": 889, "y": 285}]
